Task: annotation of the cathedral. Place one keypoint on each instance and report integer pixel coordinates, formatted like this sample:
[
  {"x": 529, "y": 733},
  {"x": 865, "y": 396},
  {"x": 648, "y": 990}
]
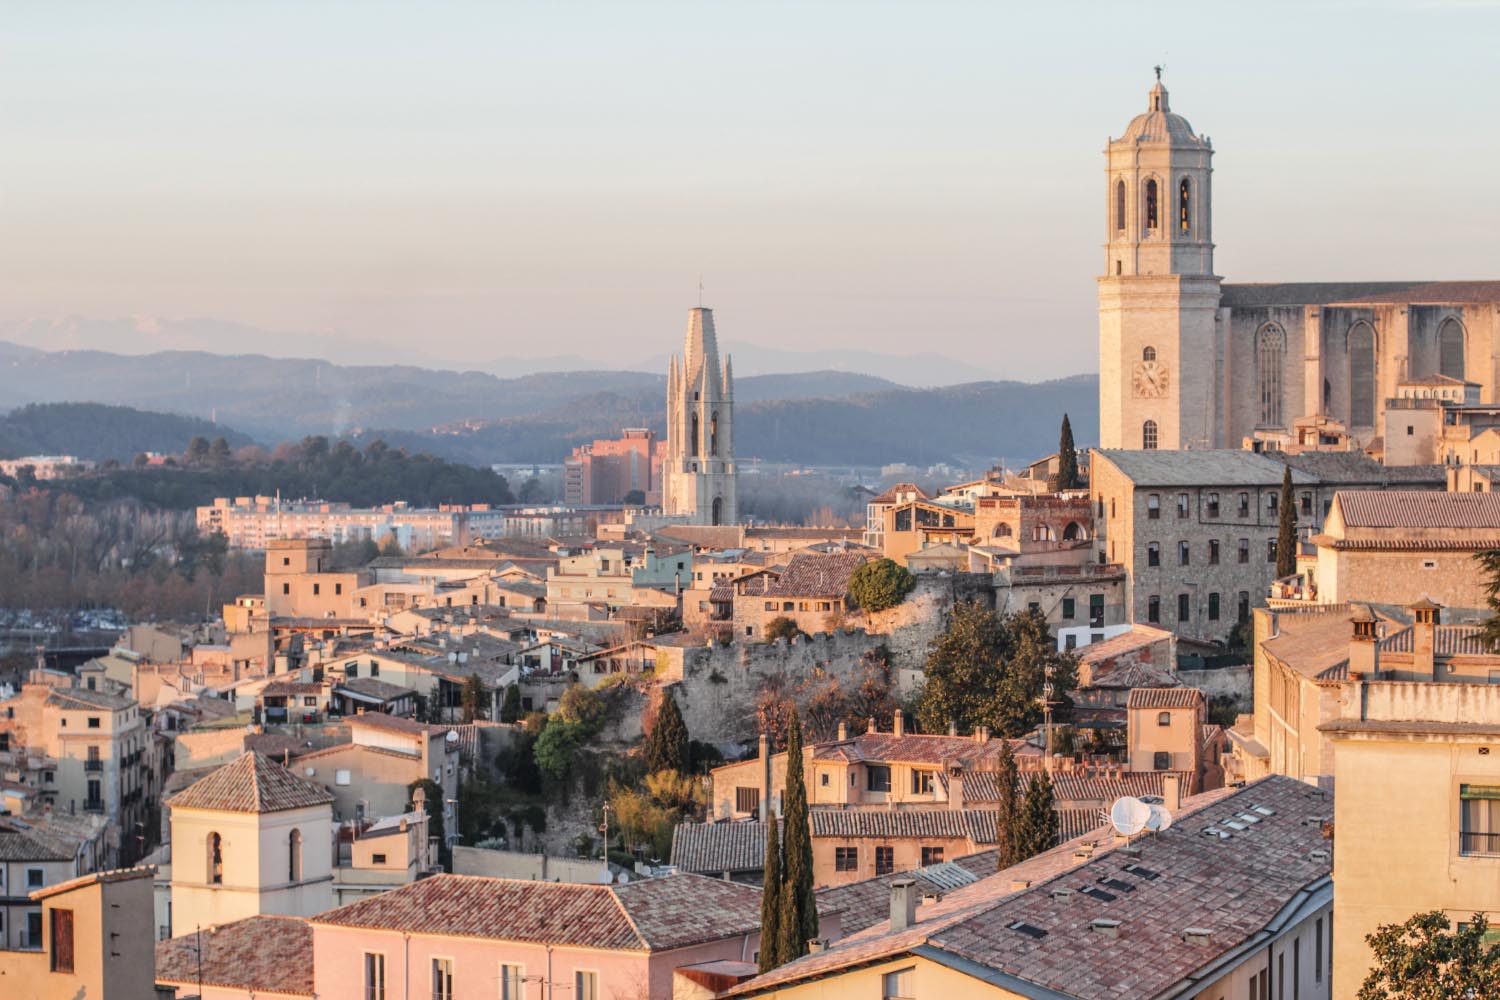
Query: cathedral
[
  {"x": 1188, "y": 361},
  {"x": 698, "y": 476}
]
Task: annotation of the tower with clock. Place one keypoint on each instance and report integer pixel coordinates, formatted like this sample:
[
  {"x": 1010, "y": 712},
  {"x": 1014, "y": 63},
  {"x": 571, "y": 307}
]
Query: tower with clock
[{"x": 1158, "y": 295}]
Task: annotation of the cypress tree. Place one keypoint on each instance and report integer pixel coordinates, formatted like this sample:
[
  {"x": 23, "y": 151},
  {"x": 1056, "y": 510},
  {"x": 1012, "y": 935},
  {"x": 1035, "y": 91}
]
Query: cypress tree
[
  {"x": 1037, "y": 830},
  {"x": 510, "y": 706},
  {"x": 1286, "y": 532},
  {"x": 790, "y": 944},
  {"x": 1067, "y": 458},
  {"x": 770, "y": 901},
  {"x": 667, "y": 745},
  {"x": 801, "y": 907},
  {"x": 1008, "y": 807}
]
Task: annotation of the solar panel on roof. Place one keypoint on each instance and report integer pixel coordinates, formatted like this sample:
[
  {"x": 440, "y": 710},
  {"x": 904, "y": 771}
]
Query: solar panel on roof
[
  {"x": 1145, "y": 873},
  {"x": 1099, "y": 894},
  {"x": 1115, "y": 883},
  {"x": 1021, "y": 927}
]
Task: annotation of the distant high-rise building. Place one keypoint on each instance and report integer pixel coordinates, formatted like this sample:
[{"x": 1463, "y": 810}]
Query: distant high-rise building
[
  {"x": 606, "y": 472},
  {"x": 699, "y": 475}
]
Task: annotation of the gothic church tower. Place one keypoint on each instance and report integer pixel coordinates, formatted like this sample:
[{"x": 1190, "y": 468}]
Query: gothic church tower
[
  {"x": 1160, "y": 362},
  {"x": 698, "y": 476}
]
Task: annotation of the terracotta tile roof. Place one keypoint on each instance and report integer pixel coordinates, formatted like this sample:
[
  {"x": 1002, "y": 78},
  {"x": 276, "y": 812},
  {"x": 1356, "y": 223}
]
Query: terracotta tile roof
[
  {"x": 1418, "y": 509},
  {"x": 96, "y": 878},
  {"x": 714, "y": 848},
  {"x": 253, "y": 783},
  {"x": 291, "y": 688},
  {"x": 868, "y": 902},
  {"x": 262, "y": 954},
  {"x": 941, "y": 822},
  {"x": 1139, "y": 637},
  {"x": 17, "y": 844},
  {"x": 82, "y": 698},
  {"x": 1234, "y": 887},
  {"x": 1079, "y": 786},
  {"x": 656, "y": 914},
  {"x": 817, "y": 575},
  {"x": 913, "y": 748},
  {"x": 394, "y": 723},
  {"x": 1172, "y": 697},
  {"x": 894, "y": 494},
  {"x": 373, "y": 687},
  {"x": 1448, "y": 640}
]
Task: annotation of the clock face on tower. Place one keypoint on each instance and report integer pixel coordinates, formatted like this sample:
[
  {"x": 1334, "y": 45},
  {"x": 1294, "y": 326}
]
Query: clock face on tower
[{"x": 1150, "y": 379}]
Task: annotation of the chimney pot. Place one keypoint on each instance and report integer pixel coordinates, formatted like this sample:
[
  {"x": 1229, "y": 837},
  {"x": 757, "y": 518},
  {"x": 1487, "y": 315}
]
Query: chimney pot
[
  {"x": 1171, "y": 791},
  {"x": 843, "y": 731},
  {"x": 898, "y": 726},
  {"x": 952, "y": 727},
  {"x": 903, "y": 903},
  {"x": 873, "y": 728}
]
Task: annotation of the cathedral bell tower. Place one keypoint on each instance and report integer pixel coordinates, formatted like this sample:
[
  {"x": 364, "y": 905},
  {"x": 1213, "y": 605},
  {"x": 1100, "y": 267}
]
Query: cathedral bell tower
[
  {"x": 698, "y": 477},
  {"x": 1159, "y": 359}
]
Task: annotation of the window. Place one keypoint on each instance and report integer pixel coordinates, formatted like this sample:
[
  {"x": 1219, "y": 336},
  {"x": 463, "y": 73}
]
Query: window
[
  {"x": 1184, "y": 553},
  {"x": 1212, "y": 502},
  {"x": 1213, "y": 606},
  {"x": 511, "y": 979},
  {"x": 1244, "y": 612},
  {"x": 902, "y": 984},
  {"x": 746, "y": 800},
  {"x": 1153, "y": 507},
  {"x": 1307, "y": 503},
  {"x": 921, "y": 782},
  {"x": 1120, "y": 205},
  {"x": 1153, "y": 554},
  {"x": 294, "y": 856},
  {"x": 586, "y": 985},
  {"x": 1270, "y": 362},
  {"x": 1152, "y": 212},
  {"x": 1184, "y": 199},
  {"x": 286, "y": 588},
  {"x": 1362, "y": 372},
  {"x": 846, "y": 859},
  {"x": 932, "y": 856},
  {"x": 1096, "y": 609},
  {"x": 823, "y": 779},
  {"x": 885, "y": 860},
  {"x": 1244, "y": 505},
  {"x": 62, "y": 940},
  {"x": 34, "y": 877},
  {"x": 93, "y": 722},
  {"x": 1184, "y": 504},
  {"x": 1148, "y": 435},
  {"x": 1451, "y": 348},
  {"x": 1296, "y": 968},
  {"x": 1244, "y": 550},
  {"x": 1068, "y": 608},
  {"x": 1479, "y": 819},
  {"x": 1153, "y": 609},
  {"x": 1161, "y": 760},
  {"x": 374, "y": 976},
  {"x": 1148, "y": 354},
  {"x": 878, "y": 778},
  {"x": 1182, "y": 607},
  {"x": 377, "y": 859},
  {"x": 1270, "y": 550},
  {"x": 442, "y": 979},
  {"x": 309, "y": 701},
  {"x": 342, "y": 776},
  {"x": 338, "y": 588},
  {"x": 317, "y": 589},
  {"x": 1163, "y": 718},
  {"x": 1318, "y": 952},
  {"x": 1213, "y": 552},
  {"x": 215, "y": 859}
]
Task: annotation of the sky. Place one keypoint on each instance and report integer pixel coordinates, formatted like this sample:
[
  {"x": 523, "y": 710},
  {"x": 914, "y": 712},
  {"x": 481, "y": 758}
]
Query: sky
[{"x": 457, "y": 183}]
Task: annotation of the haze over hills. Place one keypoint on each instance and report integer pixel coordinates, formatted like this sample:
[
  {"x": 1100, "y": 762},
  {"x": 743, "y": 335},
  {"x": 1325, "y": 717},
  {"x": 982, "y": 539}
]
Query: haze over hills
[{"x": 823, "y": 417}]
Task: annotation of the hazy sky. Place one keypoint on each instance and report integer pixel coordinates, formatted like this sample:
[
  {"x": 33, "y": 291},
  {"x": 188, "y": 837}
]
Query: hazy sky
[{"x": 474, "y": 181}]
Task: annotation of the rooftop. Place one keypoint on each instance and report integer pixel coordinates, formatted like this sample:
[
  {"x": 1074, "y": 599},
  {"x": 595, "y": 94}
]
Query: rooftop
[
  {"x": 253, "y": 783},
  {"x": 262, "y": 954},
  {"x": 1168, "y": 697},
  {"x": 1308, "y": 293},
  {"x": 820, "y": 575},
  {"x": 1417, "y": 509},
  {"x": 1223, "y": 467}
]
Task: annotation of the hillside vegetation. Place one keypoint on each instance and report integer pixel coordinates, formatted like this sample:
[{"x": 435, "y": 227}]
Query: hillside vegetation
[{"x": 102, "y": 433}]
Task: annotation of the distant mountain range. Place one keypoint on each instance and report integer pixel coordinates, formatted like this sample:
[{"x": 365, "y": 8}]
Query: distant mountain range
[{"x": 821, "y": 417}]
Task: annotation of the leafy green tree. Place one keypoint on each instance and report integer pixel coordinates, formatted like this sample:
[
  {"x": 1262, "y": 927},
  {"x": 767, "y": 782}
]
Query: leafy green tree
[
  {"x": 770, "y": 900},
  {"x": 1286, "y": 531},
  {"x": 556, "y": 746},
  {"x": 1036, "y": 830},
  {"x": 781, "y": 627},
  {"x": 391, "y": 546},
  {"x": 1424, "y": 959},
  {"x": 667, "y": 743},
  {"x": 197, "y": 451},
  {"x": 434, "y": 805},
  {"x": 579, "y": 704},
  {"x": 800, "y": 913},
  {"x": 476, "y": 699},
  {"x": 510, "y": 705},
  {"x": 987, "y": 671},
  {"x": 1008, "y": 806},
  {"x": 218, "y": 452},
  {"x": 1067, "y": 458},
  {"x": 880, "y": 584}
]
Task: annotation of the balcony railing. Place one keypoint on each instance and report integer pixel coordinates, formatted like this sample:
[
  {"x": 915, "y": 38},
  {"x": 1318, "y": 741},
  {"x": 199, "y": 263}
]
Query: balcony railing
[
  {"x": 93, "y": 805},
  {"x": 93, "y": 765},
  {"x": 1479, "y": 843}
]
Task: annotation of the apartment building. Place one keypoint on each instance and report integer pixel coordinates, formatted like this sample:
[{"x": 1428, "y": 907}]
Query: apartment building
[{"x": 605, "y": 472}]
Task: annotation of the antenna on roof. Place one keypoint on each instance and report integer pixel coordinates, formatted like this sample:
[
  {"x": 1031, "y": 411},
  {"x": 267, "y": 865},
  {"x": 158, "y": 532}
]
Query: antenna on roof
[{"x": 1129, "y": 815}]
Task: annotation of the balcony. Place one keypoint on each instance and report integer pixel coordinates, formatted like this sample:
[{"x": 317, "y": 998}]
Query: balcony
[
  {"x": 93, "y": 805},
  {"x": 1479, "y": 844},
  {"x": 93, "y": 765}
]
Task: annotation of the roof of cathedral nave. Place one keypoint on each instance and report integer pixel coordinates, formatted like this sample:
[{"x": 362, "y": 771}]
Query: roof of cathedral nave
[{"x": 1311, "y": 293}]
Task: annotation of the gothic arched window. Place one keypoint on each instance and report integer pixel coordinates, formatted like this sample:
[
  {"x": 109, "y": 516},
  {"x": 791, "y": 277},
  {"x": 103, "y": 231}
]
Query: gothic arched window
[
  {"x": 215, "y": 859},
  {"x": 294, "y": 856},
  {"x": 1120, "y": 205},
  {"x": 717, "y": 514},
  {"x": 713, "y": 435},
  {"x": 1184, "y": 198},
  {"x": 1451, "y": 348},
  {"x": 694, "y": 438},
  {"x": 1362, "y": 368},
  {"x": 1270, "y": 358},
  {"x": 1148, "y": 354},
  {"x": 1148, "y": 435},
  {"x": 1151, "y": 208}
]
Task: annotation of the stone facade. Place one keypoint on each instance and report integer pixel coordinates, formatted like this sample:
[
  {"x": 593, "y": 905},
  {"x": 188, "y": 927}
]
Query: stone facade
[
  {"x": 1188, "y": 362},
  {"x": 698, "y": 476}
]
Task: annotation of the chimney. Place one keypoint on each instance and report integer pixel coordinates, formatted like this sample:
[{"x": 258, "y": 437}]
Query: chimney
[
  {"x": 766, "y": 812},
  {"x": 952, "y": 727},
  {"x": 898, "y": 726},
  {"x": 872, "y": 728},
  {"x": 1425, "y": 616},
  {"x": 956, "y": 787},
  {"x": 903, "y": 903},
  {"x": 1364, "y": 657},
  {"x": 981, "y": 734},
  {"x": 1171, "y": 791},
  {"x": 843, "y": 731}
]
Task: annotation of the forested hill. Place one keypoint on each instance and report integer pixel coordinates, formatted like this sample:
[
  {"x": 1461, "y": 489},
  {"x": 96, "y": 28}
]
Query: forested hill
[{"x": 101, "y": 433}]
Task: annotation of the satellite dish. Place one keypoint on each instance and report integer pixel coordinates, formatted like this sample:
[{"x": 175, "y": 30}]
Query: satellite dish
[
  {"x": 1160, "y": 819},
  {"x": 1129, "y": 815},
  {"x": 452, "y": 736}
]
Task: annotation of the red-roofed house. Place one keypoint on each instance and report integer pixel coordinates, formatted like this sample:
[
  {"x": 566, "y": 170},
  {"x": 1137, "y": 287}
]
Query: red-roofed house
[{"x": 812, "y": 591}]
